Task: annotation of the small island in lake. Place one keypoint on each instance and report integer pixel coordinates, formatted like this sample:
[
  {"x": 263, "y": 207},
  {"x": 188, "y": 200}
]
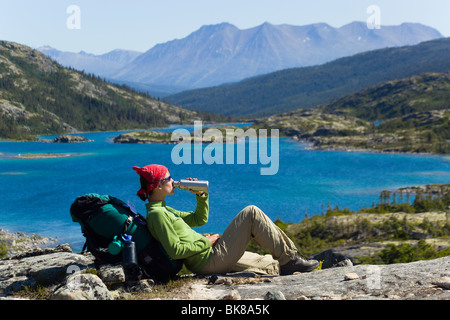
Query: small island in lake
[
  {"x": 42, "y": 155},
  {"x": 65, "y": 138},
  {"x": 215, "y": 134},
  {"x": 144, "y": 137},
  {"x": 47, "y": 155}
]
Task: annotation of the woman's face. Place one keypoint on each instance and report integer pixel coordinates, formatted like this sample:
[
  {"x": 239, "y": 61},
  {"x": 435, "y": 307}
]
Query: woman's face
[{"x": 167, "y": 185}]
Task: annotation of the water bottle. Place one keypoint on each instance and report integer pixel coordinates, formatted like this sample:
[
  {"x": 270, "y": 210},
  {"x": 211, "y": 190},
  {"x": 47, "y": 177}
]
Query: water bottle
[
  {"x": 191, "y": 185},
  {"x": 115, "y": 246},
  {"x": 129, "y": 254}
]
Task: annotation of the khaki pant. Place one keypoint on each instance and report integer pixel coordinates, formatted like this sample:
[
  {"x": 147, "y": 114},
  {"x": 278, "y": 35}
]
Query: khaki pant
[{"x": 229, "y": 255}]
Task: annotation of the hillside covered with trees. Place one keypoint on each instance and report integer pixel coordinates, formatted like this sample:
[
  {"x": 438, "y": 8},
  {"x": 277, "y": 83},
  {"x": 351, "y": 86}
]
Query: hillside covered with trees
[
  {"x": 307, "y": 87},
  {"x": 406, "y": 115},
  {"x": 38, "y": 96},
  {"x": 406, "y": 225}
]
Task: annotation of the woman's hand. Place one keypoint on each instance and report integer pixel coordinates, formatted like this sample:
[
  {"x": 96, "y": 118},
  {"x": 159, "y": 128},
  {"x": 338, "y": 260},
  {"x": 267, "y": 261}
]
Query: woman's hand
[
  {"x": 212, "y": 238},
  {"x": 199, "y": 193}
]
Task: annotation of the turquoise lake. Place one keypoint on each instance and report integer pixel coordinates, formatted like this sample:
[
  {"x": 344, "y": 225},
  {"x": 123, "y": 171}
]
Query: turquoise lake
[{"x": 36, "y": 194}]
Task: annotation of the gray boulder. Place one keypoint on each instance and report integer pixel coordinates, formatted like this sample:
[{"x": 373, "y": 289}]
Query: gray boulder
[
  {"x": 82, "y": 287},
  {"x": 43, "y": 266}
]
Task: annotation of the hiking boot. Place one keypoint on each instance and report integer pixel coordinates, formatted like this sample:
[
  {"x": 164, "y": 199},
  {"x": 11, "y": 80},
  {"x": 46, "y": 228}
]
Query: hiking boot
[{"x": 298, "y": 264}]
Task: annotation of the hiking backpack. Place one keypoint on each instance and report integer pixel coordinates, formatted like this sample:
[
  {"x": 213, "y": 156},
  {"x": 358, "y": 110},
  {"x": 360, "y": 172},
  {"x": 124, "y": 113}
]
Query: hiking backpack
[{"x": 104, "y": 218}]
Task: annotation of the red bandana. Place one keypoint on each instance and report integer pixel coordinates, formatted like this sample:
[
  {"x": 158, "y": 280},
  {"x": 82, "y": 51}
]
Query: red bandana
[{"x": 153, "y": 174}]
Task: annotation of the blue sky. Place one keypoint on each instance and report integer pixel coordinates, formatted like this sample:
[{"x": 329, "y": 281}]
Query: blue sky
[{"x": 105, "y": 25}]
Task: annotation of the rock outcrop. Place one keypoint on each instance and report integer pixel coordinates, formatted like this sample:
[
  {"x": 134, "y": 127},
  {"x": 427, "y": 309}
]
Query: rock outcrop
[
  {"x": 65, "y": 138},
  {"x": 410, "y": 281},
  {"x": 68, "y": 275}
]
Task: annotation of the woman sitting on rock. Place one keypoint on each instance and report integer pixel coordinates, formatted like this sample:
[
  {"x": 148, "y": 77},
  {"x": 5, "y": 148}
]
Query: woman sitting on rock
[{"x": 213, "y": 253}]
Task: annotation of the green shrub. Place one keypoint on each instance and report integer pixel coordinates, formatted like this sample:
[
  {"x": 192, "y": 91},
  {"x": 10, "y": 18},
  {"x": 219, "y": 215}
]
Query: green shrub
[
  {"x": 406, "y": 253},
  {"x": 3, "y": 250}
]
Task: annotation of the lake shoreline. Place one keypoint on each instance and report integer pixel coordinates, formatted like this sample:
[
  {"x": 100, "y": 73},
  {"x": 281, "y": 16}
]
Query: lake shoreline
[
  {"x": 340, "y": 148},
  {"x": 307, "y": 180},
  {"x": 17, "y": 242},
  {"x": 129, "y": 136}
]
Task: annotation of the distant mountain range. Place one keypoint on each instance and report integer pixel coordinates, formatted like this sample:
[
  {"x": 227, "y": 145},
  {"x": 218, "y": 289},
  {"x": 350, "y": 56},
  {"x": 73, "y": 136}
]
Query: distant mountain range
[
  {"x": 38, "y": 96},
  {"x": 105, "y": 65},
  {"x": 222, "y": 53},
  {"x": 295, "y": 88}
]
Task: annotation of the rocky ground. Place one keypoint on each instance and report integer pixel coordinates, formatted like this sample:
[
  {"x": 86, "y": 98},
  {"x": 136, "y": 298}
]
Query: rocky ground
[
  {"x": 59, "y": 274},
  {"x": 34, "y": 267}
]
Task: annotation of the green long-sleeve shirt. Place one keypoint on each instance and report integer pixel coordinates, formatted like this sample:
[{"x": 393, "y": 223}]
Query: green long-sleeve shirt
[{"x": 172, "y": 228}]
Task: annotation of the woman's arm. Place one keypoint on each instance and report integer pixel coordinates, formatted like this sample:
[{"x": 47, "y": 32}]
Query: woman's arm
[
  {"x": 163, "y": 230},
  {"x": 196, "y": 218}
]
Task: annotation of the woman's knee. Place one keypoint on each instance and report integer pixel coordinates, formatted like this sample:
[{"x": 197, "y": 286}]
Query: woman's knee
[
  {"x": 252, "y": 208},
  {"x": 249, "y": 210},
  {"x": 252, "y": 212}
]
